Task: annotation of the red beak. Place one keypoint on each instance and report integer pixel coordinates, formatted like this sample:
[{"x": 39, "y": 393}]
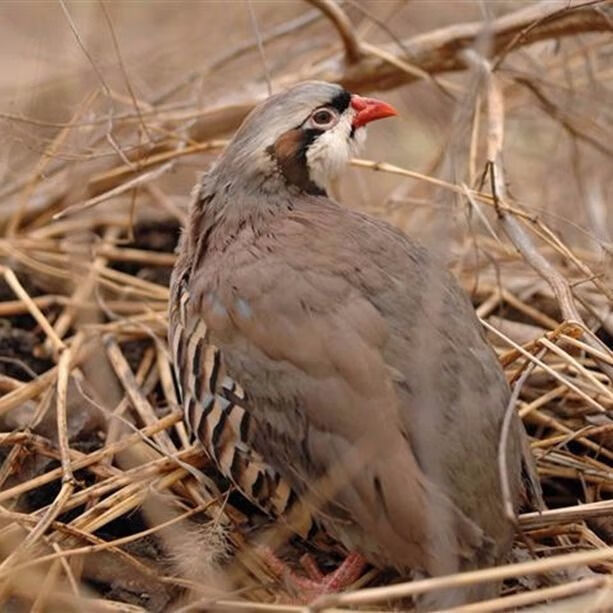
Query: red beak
[{"x": 369, "y": 109}]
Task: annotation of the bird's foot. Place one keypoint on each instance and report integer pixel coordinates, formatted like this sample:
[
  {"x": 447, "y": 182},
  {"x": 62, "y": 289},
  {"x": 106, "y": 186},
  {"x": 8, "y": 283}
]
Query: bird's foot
[{"x": 316, "y": 583}]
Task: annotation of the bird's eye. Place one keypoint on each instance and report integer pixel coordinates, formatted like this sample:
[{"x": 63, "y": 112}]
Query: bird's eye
[{"x": 322, "y": 117}]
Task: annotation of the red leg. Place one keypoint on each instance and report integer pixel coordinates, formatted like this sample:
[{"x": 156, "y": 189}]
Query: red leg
[
  {"x": 347, "y": 573},
  {"x": 317, "y": 584},
  {"x": 310, "y": 567}
]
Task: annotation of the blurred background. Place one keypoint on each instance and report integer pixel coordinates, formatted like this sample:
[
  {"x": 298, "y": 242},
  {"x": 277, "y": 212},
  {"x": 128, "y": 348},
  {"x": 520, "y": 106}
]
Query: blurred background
[
  {"x": 110, "y": 112},
  {"x": 183, "y": 58}
]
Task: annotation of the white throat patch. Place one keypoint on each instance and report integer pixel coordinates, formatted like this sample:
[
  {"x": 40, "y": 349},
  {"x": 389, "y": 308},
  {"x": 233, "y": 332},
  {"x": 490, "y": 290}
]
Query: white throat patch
[{"x": 331, "y": 151}]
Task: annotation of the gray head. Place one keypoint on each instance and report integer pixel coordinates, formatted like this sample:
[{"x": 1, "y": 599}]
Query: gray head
[{"x": 303, "y": 136}]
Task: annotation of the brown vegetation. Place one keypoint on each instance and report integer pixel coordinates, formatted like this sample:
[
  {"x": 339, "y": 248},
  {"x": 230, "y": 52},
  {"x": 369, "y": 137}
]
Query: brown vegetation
[{"x": 110, "y": 110}]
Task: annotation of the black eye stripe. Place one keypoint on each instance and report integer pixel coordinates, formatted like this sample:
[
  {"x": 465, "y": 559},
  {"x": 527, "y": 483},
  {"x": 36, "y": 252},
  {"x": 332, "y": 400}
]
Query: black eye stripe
[
  {"x": 309, "y": 136},
  {"x": 341, "y": 101}
]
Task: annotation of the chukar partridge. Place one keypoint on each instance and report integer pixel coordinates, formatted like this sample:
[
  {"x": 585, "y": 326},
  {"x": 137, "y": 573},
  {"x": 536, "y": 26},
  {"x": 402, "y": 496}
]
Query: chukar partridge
[{"x": 325, "y": 356}]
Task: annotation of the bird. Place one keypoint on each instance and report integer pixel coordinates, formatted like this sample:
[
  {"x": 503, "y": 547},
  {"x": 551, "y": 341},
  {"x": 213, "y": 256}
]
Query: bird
[{"x": 325, "y": 357}]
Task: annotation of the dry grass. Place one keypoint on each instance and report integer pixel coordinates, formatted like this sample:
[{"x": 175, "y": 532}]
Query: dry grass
[{"x": 104, "y": 503}]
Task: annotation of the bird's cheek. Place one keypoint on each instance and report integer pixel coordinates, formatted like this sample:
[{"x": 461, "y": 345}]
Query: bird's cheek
[{"x": 327, "y": 157}]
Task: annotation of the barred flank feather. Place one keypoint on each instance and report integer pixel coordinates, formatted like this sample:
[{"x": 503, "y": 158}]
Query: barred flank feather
[{"x": 216, "y": 411}]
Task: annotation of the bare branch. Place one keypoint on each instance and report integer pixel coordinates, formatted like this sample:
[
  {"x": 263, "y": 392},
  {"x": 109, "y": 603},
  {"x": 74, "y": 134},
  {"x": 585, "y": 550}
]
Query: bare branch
[
  {"x": 587, "y": 130},
  {"x": 439, "y": 50},
  {"x": 433, "y": 52},
  {"x": 122, "y": 67},
  {"x": 258, "y": 38},
  {"x": 512, "y": 227},
  {"x": 341, "y": 22}
]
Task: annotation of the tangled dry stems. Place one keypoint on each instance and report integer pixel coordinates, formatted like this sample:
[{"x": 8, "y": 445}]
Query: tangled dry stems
[{"x": 98, "y": 436}]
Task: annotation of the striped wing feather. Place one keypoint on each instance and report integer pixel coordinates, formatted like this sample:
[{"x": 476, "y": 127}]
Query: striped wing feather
[{"x": 216, "y": 411}]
